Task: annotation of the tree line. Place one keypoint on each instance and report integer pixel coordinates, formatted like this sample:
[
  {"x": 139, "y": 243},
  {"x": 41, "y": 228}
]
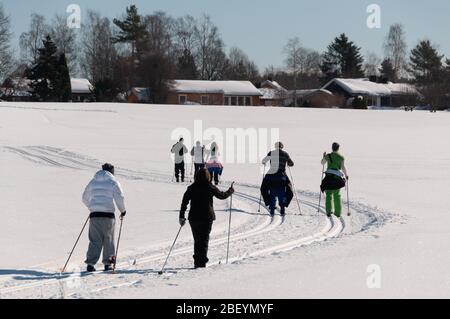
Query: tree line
[{"x": 150, "y": 50}]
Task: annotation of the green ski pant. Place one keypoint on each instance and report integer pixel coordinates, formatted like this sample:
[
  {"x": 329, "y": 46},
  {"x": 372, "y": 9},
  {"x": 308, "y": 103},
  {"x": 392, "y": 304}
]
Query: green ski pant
[{"x": 334, "y": 197}]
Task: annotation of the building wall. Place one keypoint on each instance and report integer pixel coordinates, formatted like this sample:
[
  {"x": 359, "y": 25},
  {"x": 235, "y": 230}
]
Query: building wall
[{"x": 213, "y": 99}]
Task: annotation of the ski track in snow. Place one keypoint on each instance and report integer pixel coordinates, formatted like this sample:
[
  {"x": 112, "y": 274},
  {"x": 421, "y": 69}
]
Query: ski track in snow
[{"x": 256, "y": 237}]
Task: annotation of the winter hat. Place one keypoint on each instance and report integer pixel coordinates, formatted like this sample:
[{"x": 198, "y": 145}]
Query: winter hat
[
  {"x": 336, "y": 147},
  {"x": 108, "y": 167}
]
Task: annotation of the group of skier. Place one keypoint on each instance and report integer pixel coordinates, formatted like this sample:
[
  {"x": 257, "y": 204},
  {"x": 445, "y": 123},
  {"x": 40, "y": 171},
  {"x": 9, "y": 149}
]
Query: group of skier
[
  {"x": 104, "y": 189},
  {"x": 202, "y": 158}
]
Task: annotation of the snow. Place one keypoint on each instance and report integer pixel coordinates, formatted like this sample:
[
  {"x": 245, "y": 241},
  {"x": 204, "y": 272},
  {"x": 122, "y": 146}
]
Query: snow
[
  {"x": 367, "y": 87},
  {"x": 231, "y": 88},
  {"x": 399, "y": 165},
  {"x": 80, "y": 86}
]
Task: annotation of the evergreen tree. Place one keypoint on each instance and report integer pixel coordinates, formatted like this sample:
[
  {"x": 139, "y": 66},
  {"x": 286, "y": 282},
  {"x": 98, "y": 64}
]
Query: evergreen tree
[
  {"x": 61, "y": 84},
  {"x": 343, "y": 59},
  {"x": 132, "y": 30},
  {"x": 425, "y": 62},
  {"x": 186, "y": 68},
  {"x": 44, "y": 73},
  {"x": 50, "y": 77},
  {"x": 387, "y": 70}
]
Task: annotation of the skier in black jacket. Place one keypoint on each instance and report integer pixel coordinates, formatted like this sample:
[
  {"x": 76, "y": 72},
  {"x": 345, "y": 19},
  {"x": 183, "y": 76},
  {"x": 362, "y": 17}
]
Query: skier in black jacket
[
  {"x": 201, "y": 214},
  {"x": 276, "y": 183}
]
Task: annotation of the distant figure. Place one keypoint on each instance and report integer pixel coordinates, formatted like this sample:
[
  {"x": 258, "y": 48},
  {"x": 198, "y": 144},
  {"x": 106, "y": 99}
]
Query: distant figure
[
  {"x": 198, "y": 155},
  {"x": 179, "y": 149},
  {"x": 99, "y": 197},
  {"x": 335, "y": 179},
  {"x": 276, "y": 184},
  {"x": 214, "y": 164},
  {"x": 201, "y": 215}
]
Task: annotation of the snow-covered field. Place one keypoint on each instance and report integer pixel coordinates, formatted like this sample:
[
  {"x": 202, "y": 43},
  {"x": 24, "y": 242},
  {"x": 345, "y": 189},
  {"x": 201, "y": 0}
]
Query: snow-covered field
[{"x": 399, "y": 165}]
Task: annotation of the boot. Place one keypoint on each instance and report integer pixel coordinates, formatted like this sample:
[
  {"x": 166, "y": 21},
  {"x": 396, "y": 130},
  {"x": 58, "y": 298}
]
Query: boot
[
  {"x": 108, "y": 268},
  {"x": 90, "y": 268}
]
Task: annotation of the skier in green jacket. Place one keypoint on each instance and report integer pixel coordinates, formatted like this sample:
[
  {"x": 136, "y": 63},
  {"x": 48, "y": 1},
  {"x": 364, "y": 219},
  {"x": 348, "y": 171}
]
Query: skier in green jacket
[{"x": 336, "y": 177}]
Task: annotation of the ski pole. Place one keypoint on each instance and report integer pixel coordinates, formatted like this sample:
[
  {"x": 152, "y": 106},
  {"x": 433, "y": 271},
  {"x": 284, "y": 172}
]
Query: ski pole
[
  {"x": 173, "y": 245},
  {"x": 229, "y": 224},
  {"x": 295, "y": 192},
  {"x": 348, "y": 199},
  {"x": 260, "y": 195},
  {"x": 74, "y": 246},
  {"x": 320, "y": 193},
  {"x": 118, "y": 242}
]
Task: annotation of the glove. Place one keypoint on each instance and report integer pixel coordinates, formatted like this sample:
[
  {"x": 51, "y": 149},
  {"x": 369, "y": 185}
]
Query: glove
[
  {"x": 182, "y": 222},
  {"x": 231, "y": 190},
  {"x": 123, "y": 214}
]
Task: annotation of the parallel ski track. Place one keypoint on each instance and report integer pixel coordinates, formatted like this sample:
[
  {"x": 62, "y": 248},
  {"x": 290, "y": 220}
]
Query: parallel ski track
[{"x": 46, "y": 155}]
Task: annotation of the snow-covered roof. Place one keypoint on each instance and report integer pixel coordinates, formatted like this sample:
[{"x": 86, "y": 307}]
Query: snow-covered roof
[
  {"x": 240, "y": 88},
  {"x": 367, "y": 87},
  {"x": 81, "y": 86},
  {"x": 304, "y": 93},
  {"x": 271, "y": 94},
  {"x": 272, "y": 85}
]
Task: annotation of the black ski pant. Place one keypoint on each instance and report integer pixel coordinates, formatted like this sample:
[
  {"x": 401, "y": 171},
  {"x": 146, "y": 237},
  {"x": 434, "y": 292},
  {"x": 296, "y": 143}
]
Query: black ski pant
[
  {"x": 201, "y": 231},
  {"x": 179, "y": 168}
]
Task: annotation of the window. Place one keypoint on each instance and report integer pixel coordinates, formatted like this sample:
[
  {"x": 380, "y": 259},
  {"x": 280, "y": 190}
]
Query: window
[
  {"x": 241, "y": 101},
  {"x": 182, "y": 99},
  {"x": 205, "y": 99},
  {"x": 234, "y": 100},
  {"x": 227, "y": 100},
  {"x": 248, "y": 101}
]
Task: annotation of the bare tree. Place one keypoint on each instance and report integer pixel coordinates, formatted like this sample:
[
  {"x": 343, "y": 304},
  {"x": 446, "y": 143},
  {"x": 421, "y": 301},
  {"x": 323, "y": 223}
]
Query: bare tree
[
  {"x": 295, "y": 60},
  {"x": 395, "y": 48},
  {"x": 159, "y": 33},
  {"x": 65, "y": 40},
  {"x": 5, "y": 47},
  {"x": 99, "y": 54},
  {"x": 372, "y": 64},
  {"x": 240, "y": 67},
  {"x": 210, "y": 55},
  {"x": 31, "y": 41},
  {"x": 184, "y": 34}
]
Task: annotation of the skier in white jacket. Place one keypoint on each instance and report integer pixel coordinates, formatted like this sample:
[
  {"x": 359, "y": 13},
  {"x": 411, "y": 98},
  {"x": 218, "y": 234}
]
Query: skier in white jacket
[{"x": 99, "y": 197}]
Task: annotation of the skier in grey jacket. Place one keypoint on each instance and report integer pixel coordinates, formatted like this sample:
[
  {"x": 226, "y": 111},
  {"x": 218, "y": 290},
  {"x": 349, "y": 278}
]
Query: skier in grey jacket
[{"x": 99, "y": 197}]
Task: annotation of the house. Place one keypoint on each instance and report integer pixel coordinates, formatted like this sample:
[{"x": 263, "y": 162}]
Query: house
[
  {"x": 185, "y": 92},
  {"x": 82, "y": 90},
  {"x": 139, "y": 95},
  {"x": 273, "y": 94},
  {"x": 375, "y": 93}
]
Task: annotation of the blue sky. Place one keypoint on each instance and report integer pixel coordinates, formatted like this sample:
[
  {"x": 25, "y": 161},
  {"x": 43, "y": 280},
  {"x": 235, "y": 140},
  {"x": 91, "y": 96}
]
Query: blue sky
[{"x": 261, "y": 28}]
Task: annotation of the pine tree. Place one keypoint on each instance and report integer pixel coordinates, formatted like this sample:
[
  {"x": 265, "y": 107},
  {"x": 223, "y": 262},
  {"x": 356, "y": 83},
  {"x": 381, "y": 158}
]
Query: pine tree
[
  {"x": 343, "y": 59},
  {"x": 50, "y": 76},
  {"x": 44, "y": 72},
  {"x": 132, "y": 30},
  {"x": 61, "y": 84},
  {"x": 425, "y": 62}
]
